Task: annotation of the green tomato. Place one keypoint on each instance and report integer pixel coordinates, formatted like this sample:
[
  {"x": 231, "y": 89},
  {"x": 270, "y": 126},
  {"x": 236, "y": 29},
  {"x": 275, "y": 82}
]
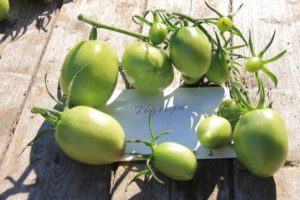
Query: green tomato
[
  {"x": 261, "y": 141},
  {"x": 158, "y": 33},
  {"x": 190, "y": 51},
  {"x": 175, "y": 161},
  {"x": 147, "y": 68},
  {"x": 214, "y": 132},
  {"x": 90, "y": 136},
  {"x": 254, "y": 64},
  {"x": 4, "y": 9},
  {"x": 218, "y": 70},
  {"x": 230, "y": 111},
  {"x": 224, "y": 24},
  {"x": 96, "y": 83},
  {"x": 189, "y": 80}
]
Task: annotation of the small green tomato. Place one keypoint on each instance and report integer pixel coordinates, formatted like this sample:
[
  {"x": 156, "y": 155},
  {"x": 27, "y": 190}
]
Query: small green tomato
[
  {"x": 158, "y": 33},
  {"x": 214, "y": 132},
  {"x": 224, "y": 24},
  {"x": 175, "y": 161},
  {"x": 230, "y": 111},
  {"x": 254, "y": 64}
]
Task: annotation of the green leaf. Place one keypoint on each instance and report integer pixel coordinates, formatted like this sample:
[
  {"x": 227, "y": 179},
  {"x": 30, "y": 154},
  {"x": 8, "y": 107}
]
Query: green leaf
[
  {"x": 267, "y": 46},
  {"x": 233, "y": 13},
  {"x": 162, "y": 134},
  {"x": 237, "y": 32},
  {"x": 251, "y": 45},
  {"x": 138, "y": 175},
  {"x": 214, "y": 10},
  {"x": 235, "y": 47},
  {"x": 277, "y": 57},
  {"x": 139, "y": 142},
  {"x": 270, "y": 75},
  {"x": 152, "y": 173},
  {"x": 93, "y": 33},
  {"x": 138, "y": 19},
  {"x": 49, "y": 93}
]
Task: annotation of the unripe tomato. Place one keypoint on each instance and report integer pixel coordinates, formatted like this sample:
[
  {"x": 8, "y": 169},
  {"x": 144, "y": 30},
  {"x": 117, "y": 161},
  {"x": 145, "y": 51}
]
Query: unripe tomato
[
  {"x": 218, "y": 70},
  {"x": 90, "y": 136},
  {"x": 190, "y": 51},
  {"x": 224, "y": 24},
  {"x": 96, "y": 83},
  {"x": 189, "y": 80},
  {"x": 261, "y": 141},
  {"x": 158, "y": 33},
  {"x": 175, "y": 161},
  {"x": 230, "y": 111},
  {"x": 254, "y": 64},
  {"x": 147, "y": 68},
  {"x": 4, "y": 9},
  {"x": 214, "y": 132}
]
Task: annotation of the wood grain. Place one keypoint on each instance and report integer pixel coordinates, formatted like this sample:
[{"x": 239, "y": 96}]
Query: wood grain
[
  {"x": 262, "y": 17},
  {"x": 23, "y": 39},
  {"x": 43, "y": 171}
]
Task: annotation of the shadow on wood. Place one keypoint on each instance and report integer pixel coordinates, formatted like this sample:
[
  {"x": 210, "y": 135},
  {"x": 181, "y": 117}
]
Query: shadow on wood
[
  {"x": 248, "y": 186},
  {"x": 23, "y": 13},
  {"x": 212, "y": 180}
]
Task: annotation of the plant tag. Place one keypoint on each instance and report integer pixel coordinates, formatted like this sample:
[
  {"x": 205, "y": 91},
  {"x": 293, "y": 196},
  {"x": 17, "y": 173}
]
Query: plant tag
[{"x": 177, "y": 109}]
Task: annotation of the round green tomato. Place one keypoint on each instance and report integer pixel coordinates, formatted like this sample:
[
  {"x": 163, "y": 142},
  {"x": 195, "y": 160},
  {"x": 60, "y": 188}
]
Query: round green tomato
[
  {"x": 4, "y": 8},
  {"x": 230, "y": 111},
  {"x": 90, "y": 136},
  {"x": 224, "y": 24},
  {"x": 147, "y": 68},
  {"x": 96, "y": 83},
  {"x": 158, "y": 33},
  {"x": 189, "y": 80},
  {"x": 218, "y": 70},
  {"x": 261, "y": 141},
  {"x": 175, "y": 161},
  {"x": 214, "y": 132},
  {"x": 254, "y": 64},
  {"x": 190, "y": 51}
]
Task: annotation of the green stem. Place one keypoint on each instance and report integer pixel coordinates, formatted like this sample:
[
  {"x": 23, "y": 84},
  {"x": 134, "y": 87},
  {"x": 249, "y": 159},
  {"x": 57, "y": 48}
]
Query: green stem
[
  {"x": 50, "y": 115},
  {"x": 112, "y": 28}
]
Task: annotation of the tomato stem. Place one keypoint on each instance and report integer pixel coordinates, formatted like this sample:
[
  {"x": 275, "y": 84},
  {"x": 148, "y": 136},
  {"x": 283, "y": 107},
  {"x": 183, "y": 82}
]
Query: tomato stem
[{"x": 112, "y": 28}]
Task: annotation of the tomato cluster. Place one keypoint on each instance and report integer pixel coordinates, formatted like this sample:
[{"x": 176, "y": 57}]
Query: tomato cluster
[{"x": 89, "y": 76}]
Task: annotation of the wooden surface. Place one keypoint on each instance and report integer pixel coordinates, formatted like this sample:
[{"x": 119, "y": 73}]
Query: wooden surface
[{"x": 35, "y": 40}]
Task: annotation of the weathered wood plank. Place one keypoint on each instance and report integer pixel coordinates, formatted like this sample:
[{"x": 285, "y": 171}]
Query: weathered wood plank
[
  {"x": 23, "y": 38},
  {"x": 43, "y": 171},
  {"x": 214, "y": 177},
  {"x": 262, "y": 17}
]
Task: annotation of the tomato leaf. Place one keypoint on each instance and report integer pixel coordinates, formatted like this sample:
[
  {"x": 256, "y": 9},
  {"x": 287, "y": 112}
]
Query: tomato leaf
[
  {"x": 139, "y": 142},
  {"x": 137, "y": 176},
  {"x": 233, "y": 13},
  {"x": 235, "y": 47},
  {"x": 152, "y": 173},
  {"x": 251, "y": 44},
  {"x": 214, "y": 10},
  {"x": 49, "y": 93},
  {"x": 162, "y": 134},
  {"x": 270, "y": 75},
  {"x": 138, "y": 19},
  {"x": 261, "y": 87},
  {"x": 93, "y": 33},
  {"x": 278, "y": 56},
  {"x": 267, "y": 46},
  {"x": 237, "y": 32}
]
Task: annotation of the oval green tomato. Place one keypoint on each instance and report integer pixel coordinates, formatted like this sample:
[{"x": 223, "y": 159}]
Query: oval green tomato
[
  {"x": 175, "y": 161},
  {"x": 158, "y": 33},
  {"x": 230, "y": 111},
  {"x": 147, "y": 68},
  {"x": 190, "y": 51},
  {"x": 96, "y": 83},
  {"x": 254, "y": 64},
  {"x": 214, "y": 132},
  {"x": 224, "y": 24},
  {"x": 90, "y": 136},
  {"x": 4, "y": 9},
  {"x": 261, "y": 141},
  {"x": 218, "y": 70}
]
